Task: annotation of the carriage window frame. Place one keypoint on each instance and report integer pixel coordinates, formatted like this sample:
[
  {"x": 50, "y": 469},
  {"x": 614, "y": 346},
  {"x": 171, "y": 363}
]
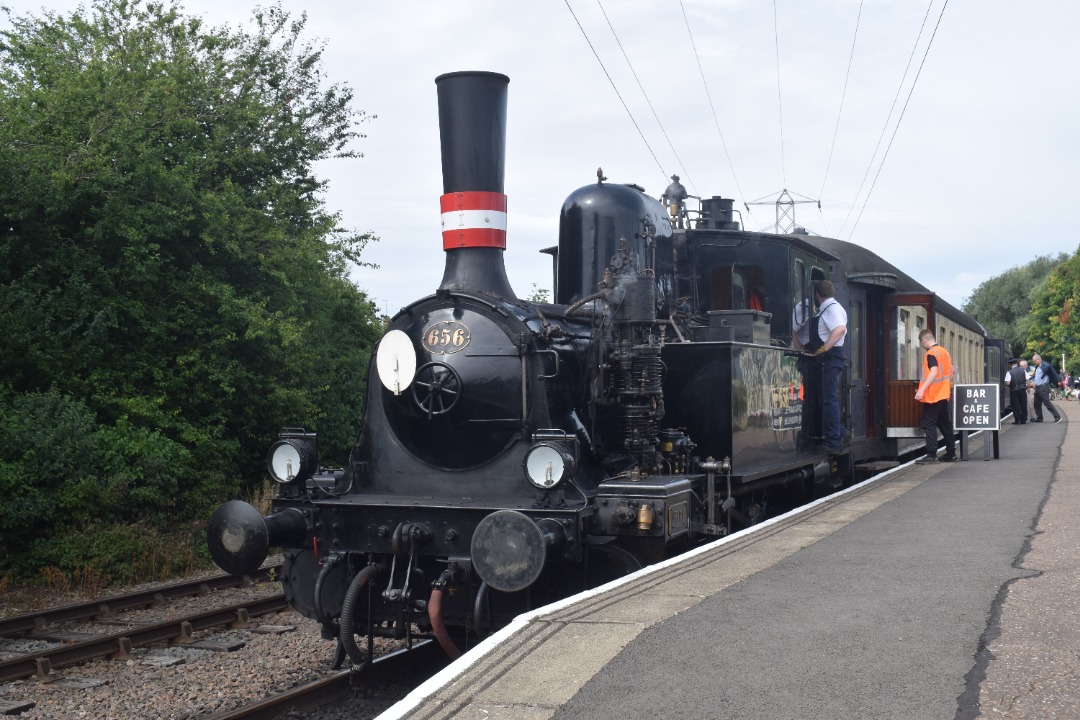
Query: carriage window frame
[
  {"x": 798, "y": 289},
  {"x": 854, "y": 340}
]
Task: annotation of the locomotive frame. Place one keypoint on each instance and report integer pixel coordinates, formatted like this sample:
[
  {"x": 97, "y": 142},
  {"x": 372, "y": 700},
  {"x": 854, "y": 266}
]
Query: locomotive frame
[{"x": 512, "y": 453}]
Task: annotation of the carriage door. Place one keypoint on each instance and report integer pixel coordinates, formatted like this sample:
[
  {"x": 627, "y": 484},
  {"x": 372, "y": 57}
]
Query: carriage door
[
  {"x": 857, "y": 352},
  {"x": 906, "y": 315}
]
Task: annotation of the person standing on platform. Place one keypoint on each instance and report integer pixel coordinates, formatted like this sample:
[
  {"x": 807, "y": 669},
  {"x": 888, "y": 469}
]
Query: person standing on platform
[
  {"x": 934, "y": 391},
  {"x": 1016, "y": 379},
  {"x": 1046, "y": 377},
  {"x": 1030, "y": 388},
  {"x": 825, "y": 334}
]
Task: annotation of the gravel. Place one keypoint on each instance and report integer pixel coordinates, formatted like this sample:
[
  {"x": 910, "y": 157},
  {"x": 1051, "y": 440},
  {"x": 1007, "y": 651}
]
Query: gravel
[{"x": 173, "y": 682}]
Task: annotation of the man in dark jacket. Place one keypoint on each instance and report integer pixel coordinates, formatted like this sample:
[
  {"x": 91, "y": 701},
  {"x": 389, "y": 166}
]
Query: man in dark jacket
[
  {"x": 1045, "y": 379},
  {"x": 1016, "y": 379}
]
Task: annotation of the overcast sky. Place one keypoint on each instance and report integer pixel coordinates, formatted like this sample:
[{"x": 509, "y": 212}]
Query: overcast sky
[{"x": 979, "y": 177}]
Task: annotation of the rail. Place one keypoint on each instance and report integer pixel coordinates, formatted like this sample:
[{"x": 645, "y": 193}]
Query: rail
[{"x": 118, "y": 645}]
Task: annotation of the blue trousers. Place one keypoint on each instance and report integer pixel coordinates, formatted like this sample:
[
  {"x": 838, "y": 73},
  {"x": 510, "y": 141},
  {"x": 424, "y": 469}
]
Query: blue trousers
[
  {"x": 821, "y": 408},
  {"x": 831, "y": 430}
]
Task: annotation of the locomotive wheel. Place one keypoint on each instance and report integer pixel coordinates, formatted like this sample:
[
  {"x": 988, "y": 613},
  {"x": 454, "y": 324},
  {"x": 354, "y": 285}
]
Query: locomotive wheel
[
  {"x": 436, "y": 388},
  {"x": 609, "y": 562}
]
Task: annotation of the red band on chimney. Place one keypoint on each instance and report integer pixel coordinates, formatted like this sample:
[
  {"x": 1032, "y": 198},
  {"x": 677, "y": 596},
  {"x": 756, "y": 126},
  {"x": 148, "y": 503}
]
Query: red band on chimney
[{"x": 473, "y": 219}]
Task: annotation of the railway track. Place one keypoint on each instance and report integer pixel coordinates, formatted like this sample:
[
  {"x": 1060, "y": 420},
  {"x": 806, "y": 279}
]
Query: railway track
[
  {"x": 39, "y": 620},
  {"x": 144, "y": 654},
  {"x": 118, "y": 646},
  {"x": 406, "y": 667}
]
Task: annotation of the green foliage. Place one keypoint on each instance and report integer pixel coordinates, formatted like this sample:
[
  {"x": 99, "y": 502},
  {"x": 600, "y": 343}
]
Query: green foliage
[
  {"x": 539, "y": 294},
  {"x": 45, "y": 439},
  {"x": 60, "y": 470},
  {"x": 108, "y": 553},
  {"x": 1054, "y": 318},
  {"x": 1003, "y": 303},
  {"x": 172, "y": 288}
]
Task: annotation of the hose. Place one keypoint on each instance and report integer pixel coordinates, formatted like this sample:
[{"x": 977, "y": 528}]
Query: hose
[
  {"x": 478, "y": 607},
  {"x": 434, "y": 609},
  {"x": 330, "y": 564},
  {"x": 348, "y": 608}
]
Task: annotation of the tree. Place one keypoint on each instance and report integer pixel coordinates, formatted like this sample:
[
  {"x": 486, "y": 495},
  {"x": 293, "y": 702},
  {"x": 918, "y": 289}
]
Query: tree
[
  {"x": 539, "y": 294},
  {"x": 166, "y": 259},
  {"x": 1003, "y": 303},
  {"x": 1054, "y": 319}
]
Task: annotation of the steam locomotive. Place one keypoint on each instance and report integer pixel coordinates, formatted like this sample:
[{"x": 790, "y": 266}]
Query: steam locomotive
[{"x": 514, "y": 452}]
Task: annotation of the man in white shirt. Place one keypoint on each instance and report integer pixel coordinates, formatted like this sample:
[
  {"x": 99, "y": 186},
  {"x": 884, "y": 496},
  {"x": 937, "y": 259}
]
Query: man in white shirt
[{"x": 824, "y": 332}]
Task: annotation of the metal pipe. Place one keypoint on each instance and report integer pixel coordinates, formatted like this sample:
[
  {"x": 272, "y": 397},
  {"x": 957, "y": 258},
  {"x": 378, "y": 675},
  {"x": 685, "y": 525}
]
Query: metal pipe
[{"x": 587, "y": 299}]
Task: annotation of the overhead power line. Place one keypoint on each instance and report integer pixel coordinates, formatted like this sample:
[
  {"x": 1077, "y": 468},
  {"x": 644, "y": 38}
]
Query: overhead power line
[
  {"x": 884, "y": 128},
  {"x": 712, "y": 107},
  {"x": 840, "y": 112},
  {"x": 617, "y": 93},
  {"x": 686, "y": 174},
  {"x": 779, "y": 95}
]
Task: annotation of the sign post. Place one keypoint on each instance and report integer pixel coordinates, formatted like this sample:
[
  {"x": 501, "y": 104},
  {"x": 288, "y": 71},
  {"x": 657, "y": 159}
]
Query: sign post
[{"x": 977, "y": 407}]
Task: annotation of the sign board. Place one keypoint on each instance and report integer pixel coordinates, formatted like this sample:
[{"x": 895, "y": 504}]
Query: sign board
[{"x": 976, "y": 407}]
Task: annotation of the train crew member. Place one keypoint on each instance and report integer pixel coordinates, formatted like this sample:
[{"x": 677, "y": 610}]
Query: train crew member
[
  {"x": 1046, "y": 377},
  {"x": 934, "y": 391},
  {"x": 674, "y": 198},
  {"x": 1016, "y": 379},
  {"x": 825, "y": 333}
]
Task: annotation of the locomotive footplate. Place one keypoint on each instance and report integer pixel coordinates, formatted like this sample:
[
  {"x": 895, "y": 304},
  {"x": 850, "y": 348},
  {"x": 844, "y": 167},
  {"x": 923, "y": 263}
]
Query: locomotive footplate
[{"x": 657, "y": 506}]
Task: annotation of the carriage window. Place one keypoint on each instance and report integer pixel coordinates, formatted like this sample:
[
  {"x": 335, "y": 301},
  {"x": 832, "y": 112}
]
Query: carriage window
[
  {"x": 916, "y": 366},
  {"x": 898, "y": 337},
  {"x": 952, "y": 347},
  {"x": 907, "y": 353},
  {"x": 799, "y": 292},
  {"x": 993, "y": 363}
]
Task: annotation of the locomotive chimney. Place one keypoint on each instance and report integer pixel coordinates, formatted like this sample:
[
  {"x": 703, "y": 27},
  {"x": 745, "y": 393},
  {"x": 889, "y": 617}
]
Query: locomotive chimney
[{"x": 472, "y": 126}]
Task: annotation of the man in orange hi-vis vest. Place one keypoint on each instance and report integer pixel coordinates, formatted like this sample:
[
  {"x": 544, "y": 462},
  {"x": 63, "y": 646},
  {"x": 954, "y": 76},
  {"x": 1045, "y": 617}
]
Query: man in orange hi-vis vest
[{"x": 934, "y": 391}]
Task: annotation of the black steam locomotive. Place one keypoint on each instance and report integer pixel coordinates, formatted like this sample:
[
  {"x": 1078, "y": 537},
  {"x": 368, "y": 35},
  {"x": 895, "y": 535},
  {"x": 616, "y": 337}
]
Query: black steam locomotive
[{"x": 512, "y": 452}]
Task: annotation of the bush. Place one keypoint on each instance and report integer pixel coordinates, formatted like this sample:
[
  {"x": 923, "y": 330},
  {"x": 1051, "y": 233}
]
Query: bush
[
  {"x": 109, "y": 553},
  {"x": 173, "y": 288},
  {"x": 48, "y": 456},
  {"x": 65, "y": 478}
]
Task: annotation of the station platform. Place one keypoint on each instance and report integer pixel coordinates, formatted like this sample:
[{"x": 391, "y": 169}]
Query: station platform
[{"x": 949, "y": 590}]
